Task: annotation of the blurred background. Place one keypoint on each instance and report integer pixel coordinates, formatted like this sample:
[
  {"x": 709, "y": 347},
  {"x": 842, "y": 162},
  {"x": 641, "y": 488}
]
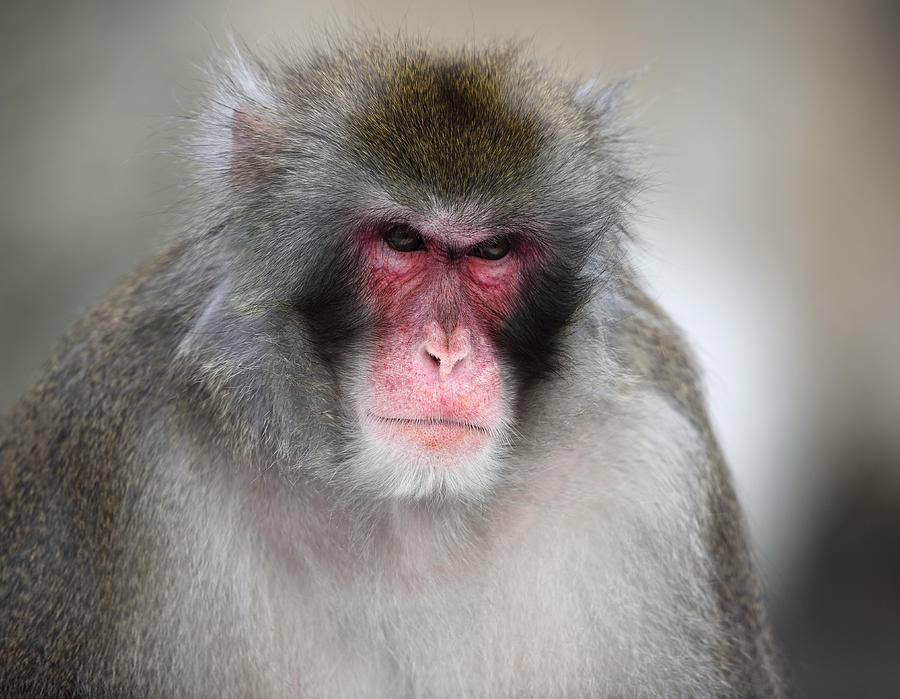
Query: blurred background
[{"x": 770, "y": 230}]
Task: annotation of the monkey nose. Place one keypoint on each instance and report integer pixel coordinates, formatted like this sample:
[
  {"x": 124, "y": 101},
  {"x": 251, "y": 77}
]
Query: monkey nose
[{"x": 446, "y": 351}]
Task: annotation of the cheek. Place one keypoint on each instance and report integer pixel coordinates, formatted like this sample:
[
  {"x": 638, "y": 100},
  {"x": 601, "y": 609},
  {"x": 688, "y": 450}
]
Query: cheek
[
  {"x": 391, "y": 280},
  {"x": 492, "y": 287}
]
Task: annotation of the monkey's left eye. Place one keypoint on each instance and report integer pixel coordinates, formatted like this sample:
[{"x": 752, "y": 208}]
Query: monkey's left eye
[
  {"x": 492, "y": 249},
  {"x": 403, "y": 238}
]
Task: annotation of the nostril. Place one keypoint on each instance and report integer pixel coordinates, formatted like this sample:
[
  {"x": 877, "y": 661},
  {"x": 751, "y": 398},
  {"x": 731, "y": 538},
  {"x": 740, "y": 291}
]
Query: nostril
[{"x": 446, "y": 352}]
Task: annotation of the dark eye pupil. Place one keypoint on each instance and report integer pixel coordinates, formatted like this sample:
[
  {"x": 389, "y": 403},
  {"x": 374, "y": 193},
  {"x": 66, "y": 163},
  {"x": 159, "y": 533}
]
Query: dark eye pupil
[
  {"x": 403, "y": 238},
  {"x": 492, "y": 249}
]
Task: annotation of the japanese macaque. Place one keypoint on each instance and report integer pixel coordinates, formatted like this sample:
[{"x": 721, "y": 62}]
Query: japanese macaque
[{"x": 393, "y": 417}]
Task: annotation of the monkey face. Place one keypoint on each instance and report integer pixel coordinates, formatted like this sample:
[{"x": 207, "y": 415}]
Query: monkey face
[{"x": 434, "y": 405}]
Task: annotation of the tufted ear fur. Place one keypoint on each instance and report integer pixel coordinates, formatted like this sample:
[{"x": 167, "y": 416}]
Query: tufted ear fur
[
  {"x": 231, "y": 140},
  {"x": 606, "y": 100}
]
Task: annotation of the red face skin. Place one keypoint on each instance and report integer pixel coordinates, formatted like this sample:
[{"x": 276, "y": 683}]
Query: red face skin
[{"x": 435, "y": 386}]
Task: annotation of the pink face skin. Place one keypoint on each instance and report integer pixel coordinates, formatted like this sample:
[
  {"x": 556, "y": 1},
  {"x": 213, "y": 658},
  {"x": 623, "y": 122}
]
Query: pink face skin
[{"x": 434, "y": 385}]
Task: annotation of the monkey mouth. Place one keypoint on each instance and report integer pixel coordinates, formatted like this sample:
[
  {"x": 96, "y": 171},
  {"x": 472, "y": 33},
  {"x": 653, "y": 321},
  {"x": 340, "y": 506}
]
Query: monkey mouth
[
  {"x": 432, "y": 433},
  {"x": 416, "y": 422}
]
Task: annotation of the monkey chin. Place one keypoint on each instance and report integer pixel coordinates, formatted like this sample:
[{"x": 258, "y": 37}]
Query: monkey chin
[{"x": 410, "y": 458}]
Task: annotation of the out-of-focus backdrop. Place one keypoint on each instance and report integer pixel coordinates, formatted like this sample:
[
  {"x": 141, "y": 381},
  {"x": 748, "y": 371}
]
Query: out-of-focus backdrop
[{"x": 771, "y": 231}]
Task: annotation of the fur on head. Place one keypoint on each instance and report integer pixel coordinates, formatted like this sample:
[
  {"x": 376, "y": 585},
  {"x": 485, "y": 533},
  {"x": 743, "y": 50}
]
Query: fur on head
[{"x": 305, "y": 165}]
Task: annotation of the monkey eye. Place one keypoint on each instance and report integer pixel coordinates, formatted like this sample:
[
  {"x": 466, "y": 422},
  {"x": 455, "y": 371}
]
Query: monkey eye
[
  {"x": 492, "y": 249},
  {"x": 403, "y": 238}
]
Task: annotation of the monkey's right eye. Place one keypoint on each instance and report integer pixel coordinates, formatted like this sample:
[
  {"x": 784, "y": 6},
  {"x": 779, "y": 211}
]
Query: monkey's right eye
[{"x": 403, "y": 238}]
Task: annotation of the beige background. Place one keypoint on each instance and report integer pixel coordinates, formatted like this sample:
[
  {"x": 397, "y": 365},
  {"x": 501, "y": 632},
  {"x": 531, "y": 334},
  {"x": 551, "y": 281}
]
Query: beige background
[{"x": 770, "y": 232}]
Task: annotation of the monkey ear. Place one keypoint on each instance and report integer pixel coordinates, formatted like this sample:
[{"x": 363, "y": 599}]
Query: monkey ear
[
  {"x": 243, "y": 124},
  {"x": 248, "y": 149}
]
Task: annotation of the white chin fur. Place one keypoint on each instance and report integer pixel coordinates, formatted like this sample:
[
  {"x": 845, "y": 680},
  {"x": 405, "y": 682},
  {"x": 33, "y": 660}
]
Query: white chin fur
[{"x": 389, "y": 470}]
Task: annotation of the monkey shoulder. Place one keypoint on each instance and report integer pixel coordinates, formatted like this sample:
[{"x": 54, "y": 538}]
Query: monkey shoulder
[
  {"x": 651, "y": 350},
  {"x": 70, "y": 475}
]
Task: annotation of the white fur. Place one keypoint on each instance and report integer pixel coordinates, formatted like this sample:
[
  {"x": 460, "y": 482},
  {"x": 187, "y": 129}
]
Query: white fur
[
  {"x": 386, "y": 471},
  {"x": 582, "y": 585}
]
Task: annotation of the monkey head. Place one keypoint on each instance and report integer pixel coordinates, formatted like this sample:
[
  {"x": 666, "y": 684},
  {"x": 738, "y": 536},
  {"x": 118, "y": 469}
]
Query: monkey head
[{"x": 434, "y": 222}]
